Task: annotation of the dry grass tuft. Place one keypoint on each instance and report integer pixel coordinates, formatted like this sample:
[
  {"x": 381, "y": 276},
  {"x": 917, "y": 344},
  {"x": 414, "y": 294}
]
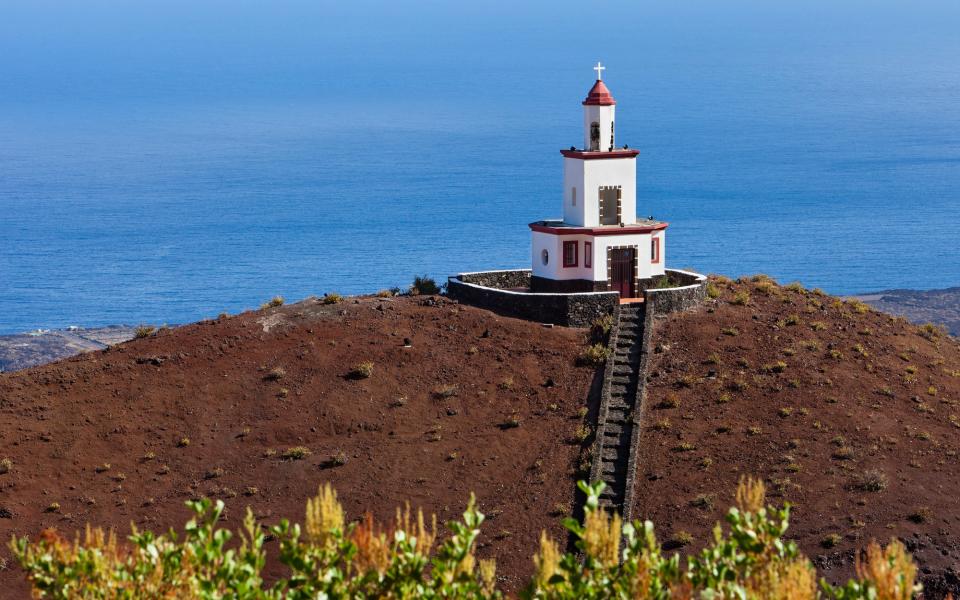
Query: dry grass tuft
[
  {"x": 296, "y": 453},
  {"x": 361, "y": 371},
  {"x": 273, "y": 302},
  {"x": 871, "y": 480},
  {"x": 144, "y": 331},
  {"x": 741, "y": 298}
]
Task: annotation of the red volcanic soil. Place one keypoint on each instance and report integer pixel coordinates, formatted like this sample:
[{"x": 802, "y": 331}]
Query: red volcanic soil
[
  {"x": 850, "y": 415},
  {"x": 130, "y": 433}
]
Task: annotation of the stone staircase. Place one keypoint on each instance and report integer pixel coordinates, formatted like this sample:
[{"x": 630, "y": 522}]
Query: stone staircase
[{"x": 617, "y": 424}]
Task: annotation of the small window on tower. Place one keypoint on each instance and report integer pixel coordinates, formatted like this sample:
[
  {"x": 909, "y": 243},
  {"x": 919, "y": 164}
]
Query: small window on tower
[
  {"x": 573, "y": 196},
  {"x": 588, "y": 254},
  {"x": 569, "y": 254},
  {"x": 594, "y": 136},
  {"x": 655, "y": 250}
]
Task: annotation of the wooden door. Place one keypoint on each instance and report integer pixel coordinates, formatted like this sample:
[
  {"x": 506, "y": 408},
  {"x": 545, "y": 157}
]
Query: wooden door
[{"x": 621, "y": 271}]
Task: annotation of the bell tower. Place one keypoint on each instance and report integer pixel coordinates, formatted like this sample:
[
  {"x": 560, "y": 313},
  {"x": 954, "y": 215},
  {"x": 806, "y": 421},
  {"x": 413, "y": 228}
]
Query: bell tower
[{"x": 598, "y": 116}]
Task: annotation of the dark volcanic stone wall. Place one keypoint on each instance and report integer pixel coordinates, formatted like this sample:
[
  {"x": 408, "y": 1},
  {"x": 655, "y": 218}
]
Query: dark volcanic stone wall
[
  {"x": 498, "y": 291},
  {"x": 692, "y": 291},
  {"x": 519, "y": 278},
  {"x": 491, "y": 290}
]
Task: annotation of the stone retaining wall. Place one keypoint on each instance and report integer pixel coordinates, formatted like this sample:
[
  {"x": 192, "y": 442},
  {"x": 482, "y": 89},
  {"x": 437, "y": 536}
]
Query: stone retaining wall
[
  {"x": 486, "y": 290},
  {"x": 506, "y": 292},
  {"x": 692, "y": 290}
]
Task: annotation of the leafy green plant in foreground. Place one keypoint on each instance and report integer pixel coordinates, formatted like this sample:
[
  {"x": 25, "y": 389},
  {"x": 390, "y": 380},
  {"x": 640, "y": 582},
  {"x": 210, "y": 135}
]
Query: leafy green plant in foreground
[{"x": 330, "y": 558}]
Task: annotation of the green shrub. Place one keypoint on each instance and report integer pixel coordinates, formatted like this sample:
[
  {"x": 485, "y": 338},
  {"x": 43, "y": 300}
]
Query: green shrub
[
  {"x": 713, "y": 291},
  {"x": 601, "y": 326},
  {"x": 424, "y": 286},
  {"x": 663, "y": 283},
  {"x": 333, "y": 557},
  {"x": 594, "y": 355}
]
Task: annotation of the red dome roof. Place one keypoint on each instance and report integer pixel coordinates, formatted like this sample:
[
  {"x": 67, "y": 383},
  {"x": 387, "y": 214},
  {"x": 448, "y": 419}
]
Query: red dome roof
[{"x": 599, "y": 95}]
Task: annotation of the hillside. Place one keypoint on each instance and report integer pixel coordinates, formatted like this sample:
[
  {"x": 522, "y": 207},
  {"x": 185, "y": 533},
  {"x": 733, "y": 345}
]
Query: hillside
[
  {"x": 849, "y": 414},
  {"x": 210, "y": 409}
]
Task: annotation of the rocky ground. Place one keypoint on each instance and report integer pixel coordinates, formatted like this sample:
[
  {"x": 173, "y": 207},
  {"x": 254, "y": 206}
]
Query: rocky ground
[
  {"x": 850, "y": 415},
  {"x": 473, "y": 403}
]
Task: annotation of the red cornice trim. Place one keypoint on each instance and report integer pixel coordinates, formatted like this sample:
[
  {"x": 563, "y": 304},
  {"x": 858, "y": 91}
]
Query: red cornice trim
[
  {"x": 608, "y": 230},
  {"x": 586, "y": 155}
]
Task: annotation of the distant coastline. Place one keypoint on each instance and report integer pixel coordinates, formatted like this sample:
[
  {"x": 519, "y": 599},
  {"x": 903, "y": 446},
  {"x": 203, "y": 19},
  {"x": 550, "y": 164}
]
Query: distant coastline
[
  {"x": 920, "y": 306},
  {"x": 42, "y": 346}
]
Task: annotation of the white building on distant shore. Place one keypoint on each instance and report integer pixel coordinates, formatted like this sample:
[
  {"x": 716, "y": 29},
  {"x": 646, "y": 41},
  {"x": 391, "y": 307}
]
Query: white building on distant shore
[{"x": 600, "y": 244}]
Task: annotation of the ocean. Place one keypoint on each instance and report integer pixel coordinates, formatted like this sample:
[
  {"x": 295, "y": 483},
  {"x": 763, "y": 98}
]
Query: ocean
[{"x": 162, "y": 162}]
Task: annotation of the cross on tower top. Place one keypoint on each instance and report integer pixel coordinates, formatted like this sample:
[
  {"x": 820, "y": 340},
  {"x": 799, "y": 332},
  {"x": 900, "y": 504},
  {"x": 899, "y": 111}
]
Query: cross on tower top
[{"x": 599, "y": 69}]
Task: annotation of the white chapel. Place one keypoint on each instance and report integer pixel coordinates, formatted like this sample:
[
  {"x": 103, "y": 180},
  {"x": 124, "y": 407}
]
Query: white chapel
[{"x": 599, "y": 245}]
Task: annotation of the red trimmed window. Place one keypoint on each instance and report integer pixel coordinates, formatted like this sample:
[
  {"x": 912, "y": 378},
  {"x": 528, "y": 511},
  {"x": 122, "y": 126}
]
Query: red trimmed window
[
  {"x": 569, "y": 254},
  {"x": 588, "y": 254},
  {"x": 655, "y": 250}
]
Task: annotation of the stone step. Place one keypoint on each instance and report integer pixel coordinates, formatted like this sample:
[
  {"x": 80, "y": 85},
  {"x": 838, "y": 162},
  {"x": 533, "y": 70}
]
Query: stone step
[
  {"x": 610, "y": 495},
  {"x": 614, "y": 473},
  {"x": 619, "y": 405},
  {"x": 614, "y": 429},
  {"x": 613, "y": 454},
  {"x": 615, "y": 412},
  {"x": 618, "y": 416}
]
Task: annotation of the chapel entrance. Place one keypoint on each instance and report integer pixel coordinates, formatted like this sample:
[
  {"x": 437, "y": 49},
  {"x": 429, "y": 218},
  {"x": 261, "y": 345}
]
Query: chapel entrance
[{"x": 621, "y": 271}]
